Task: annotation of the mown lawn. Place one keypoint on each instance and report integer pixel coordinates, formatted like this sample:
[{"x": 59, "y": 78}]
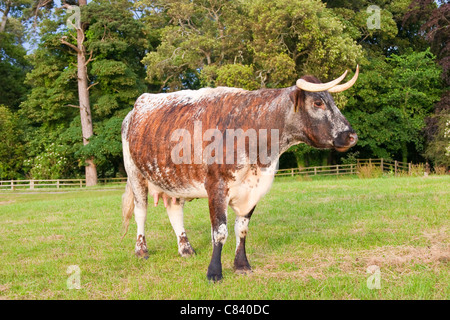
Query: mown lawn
[{"x": 307, "y": 240}]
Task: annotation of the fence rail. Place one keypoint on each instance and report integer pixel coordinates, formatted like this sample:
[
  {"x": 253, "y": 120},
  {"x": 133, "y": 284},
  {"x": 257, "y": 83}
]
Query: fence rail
[
  {"x": 340, "y": 169},
  {"x": 396, "y": 167},
  {"x": 54, "y": 183}
]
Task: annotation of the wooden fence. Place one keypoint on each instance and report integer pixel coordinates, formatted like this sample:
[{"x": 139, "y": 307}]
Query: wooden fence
[
  {"x": 392, "y": 166},
  {"x": 395, "y": 167},
  {"x": 55, "y": 183},
  {"x": 336, "y": 170}
]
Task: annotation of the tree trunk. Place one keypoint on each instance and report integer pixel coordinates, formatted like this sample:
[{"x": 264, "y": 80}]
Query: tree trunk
[
  {"x": 85, "y": 108},
  {"x": 300, "y": 161},
  {"x": 404, "y": 152},
  {"x": 5, "y": 16},
  {"x": 325, "y": 156}
]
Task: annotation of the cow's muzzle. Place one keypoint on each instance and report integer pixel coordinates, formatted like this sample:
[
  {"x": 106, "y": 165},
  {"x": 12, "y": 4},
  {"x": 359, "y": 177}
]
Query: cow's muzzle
[{"x": 345, "y": 140}]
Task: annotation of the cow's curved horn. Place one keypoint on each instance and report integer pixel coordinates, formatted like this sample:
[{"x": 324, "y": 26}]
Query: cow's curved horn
[
  {"x": 347, "y": 85},
  {"x": 314, "y": 87}
]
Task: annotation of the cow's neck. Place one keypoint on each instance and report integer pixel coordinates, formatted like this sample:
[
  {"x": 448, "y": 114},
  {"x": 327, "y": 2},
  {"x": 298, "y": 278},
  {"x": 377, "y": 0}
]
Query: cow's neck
[{"x": 280, "y": 118}]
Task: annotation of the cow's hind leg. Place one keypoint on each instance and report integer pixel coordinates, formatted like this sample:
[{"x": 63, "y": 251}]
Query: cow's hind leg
[
  {"x": 136, "y": 195},
  {"x": 140, "y": 190},
  {"x": 175, "y": 213},
  {"x": 135, "y": 199},
  {"x": 241, "y": 264}
]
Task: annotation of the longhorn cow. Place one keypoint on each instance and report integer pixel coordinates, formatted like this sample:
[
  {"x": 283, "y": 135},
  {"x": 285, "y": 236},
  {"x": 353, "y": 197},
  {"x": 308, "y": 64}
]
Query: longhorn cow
[{"x": 177, "y": 146}]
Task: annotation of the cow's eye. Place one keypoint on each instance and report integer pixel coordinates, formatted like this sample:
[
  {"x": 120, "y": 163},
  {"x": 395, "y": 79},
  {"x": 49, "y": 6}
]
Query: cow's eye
[{"x": 319, "y": 104}]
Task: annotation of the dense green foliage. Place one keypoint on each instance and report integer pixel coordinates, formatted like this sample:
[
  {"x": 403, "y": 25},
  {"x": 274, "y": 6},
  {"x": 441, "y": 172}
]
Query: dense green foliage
[
  {"x": 399, "y": 106},
  {"x": 389, "y": 104}
]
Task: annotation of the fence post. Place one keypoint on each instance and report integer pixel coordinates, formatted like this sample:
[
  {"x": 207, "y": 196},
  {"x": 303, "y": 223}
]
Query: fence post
[
  {"x": 409, "y": 168},
  {"x": 337, "y": 169},
  {"x": 381, "y": 164},
  {"x": 395, "y": 166},
  {"x": 57, "y": 184},
  {"x": 292, "y": 172},
  {"x": 31, "y": 184},
  {"x": 81, "y": 183},
  {"x": 315, "y": 171},
  {"x": 12, "y": 184}
]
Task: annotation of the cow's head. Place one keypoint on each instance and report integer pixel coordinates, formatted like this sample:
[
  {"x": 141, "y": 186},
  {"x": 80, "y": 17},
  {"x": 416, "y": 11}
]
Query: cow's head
[{"x": 316, "y": 119}]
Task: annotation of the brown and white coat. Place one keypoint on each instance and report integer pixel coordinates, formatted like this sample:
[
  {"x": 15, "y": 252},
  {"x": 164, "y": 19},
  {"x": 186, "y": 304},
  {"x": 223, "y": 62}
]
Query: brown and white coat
[{"x": 302, "y": 113}]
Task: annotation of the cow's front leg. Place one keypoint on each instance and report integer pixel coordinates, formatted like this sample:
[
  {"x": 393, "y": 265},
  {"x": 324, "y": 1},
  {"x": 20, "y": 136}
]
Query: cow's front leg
[
  {"x": 218, "y": 203},
  {"x": 241, "y": 264}
]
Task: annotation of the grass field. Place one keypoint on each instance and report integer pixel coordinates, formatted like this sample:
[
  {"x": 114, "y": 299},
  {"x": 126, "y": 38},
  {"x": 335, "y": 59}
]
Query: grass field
[{"x": 307, "y": 240}]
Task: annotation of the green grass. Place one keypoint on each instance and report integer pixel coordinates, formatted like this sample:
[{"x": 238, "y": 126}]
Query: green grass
[{"x": 307, "y": 240}]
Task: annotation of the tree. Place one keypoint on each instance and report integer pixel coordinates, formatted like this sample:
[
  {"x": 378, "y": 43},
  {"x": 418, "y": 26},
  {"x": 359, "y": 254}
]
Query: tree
[
  {"x": 359, "y": 17},
  {"x": 197, "y": 38},
  {"x": 247, "y": 44},
  {"x": 293, "y": 38},
  {"x": 438, "y": 149},
  {"x": 113, "y": 45},
  {"x": 12, "y": 10},
  {"x": 13, "y": 65},
  {"x": 389, "y": 104},
  {"x": 432, "y": 20},
  {"x": 118, "y": 43},
  {"x": 83, "y": 93},
  {"x": 13, "y": 68},
  {"x": 11, "y": 145}
]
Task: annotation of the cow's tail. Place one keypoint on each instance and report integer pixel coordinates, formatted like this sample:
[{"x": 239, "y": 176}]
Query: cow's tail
[{"x": 127, "y": 208}]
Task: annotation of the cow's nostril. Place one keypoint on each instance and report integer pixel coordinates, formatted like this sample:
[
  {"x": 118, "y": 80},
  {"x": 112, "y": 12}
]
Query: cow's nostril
[
  {"x": 345, "y": 140},
  {"x": 352, "y": 137}
]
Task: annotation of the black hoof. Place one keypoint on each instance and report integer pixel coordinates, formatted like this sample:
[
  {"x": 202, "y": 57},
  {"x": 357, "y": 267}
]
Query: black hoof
[
  {"x": 214, "y": 277},
  {"x": 214, "y": 272},
  {"x": 241, "y": 265}
]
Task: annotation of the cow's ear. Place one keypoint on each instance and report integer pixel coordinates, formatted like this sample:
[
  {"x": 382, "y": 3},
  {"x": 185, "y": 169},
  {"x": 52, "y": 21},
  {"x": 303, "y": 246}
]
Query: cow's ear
[{"x": 298, "y": 98}]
